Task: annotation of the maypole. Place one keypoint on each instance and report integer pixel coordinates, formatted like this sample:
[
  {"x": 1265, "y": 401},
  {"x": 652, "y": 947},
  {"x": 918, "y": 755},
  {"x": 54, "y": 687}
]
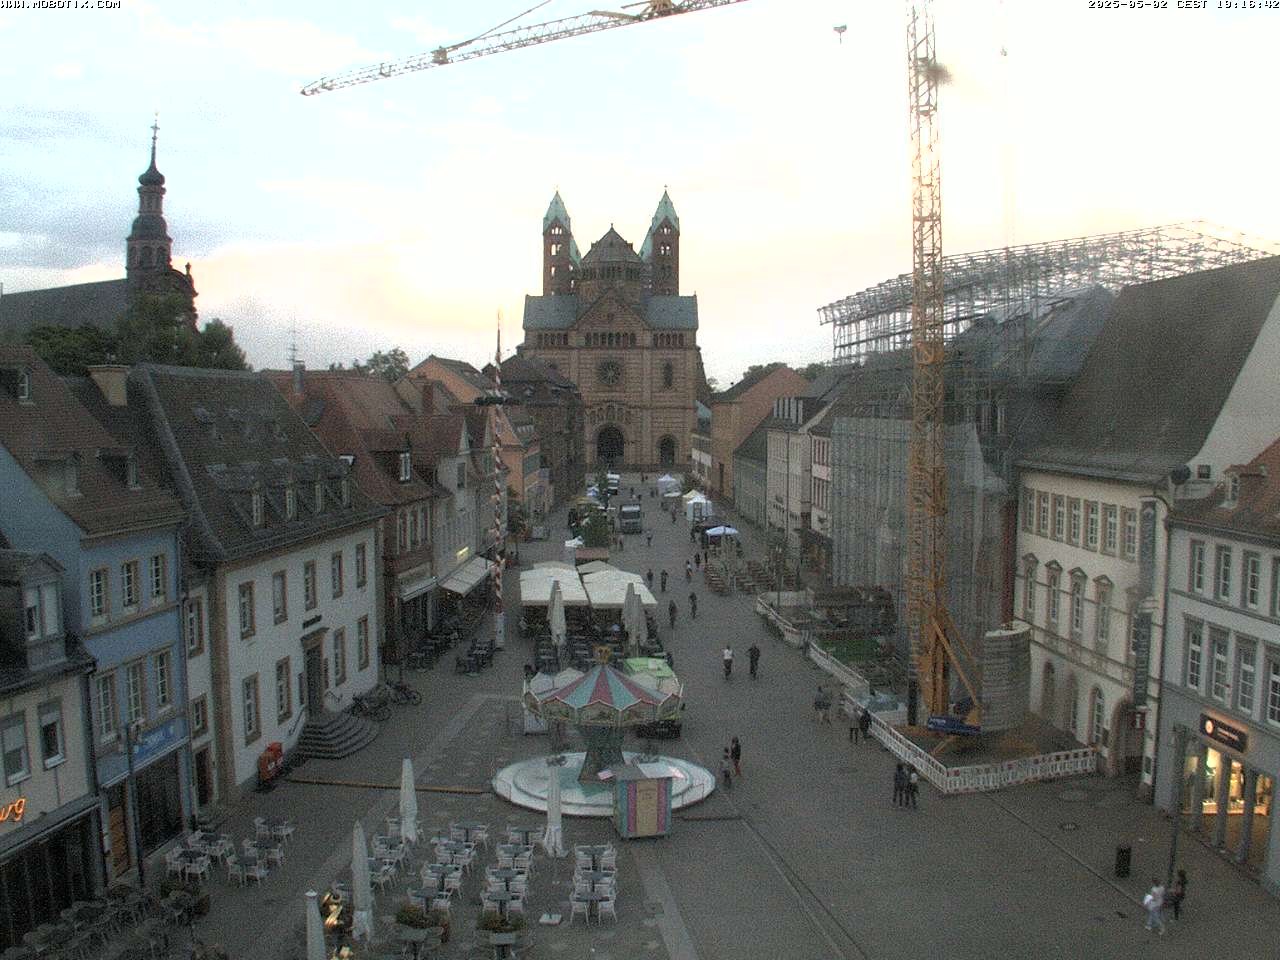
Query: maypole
[{"x": 499, "y": 542}]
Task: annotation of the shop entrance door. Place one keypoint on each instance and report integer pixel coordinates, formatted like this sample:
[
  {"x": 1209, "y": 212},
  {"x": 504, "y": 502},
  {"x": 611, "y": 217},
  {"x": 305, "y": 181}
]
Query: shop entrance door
[
  {"x": 315, "y": 680},
  {"x": 204, "y": 777},
  {"x": 118, "y": 828}
]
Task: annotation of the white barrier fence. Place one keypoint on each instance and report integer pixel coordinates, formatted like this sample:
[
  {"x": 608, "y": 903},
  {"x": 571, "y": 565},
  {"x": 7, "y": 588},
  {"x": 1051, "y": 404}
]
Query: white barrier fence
[
  {"x": 985, "y": 776},
  {"x": 792, "y": 634},
  {"x": 855, "y": 683}
]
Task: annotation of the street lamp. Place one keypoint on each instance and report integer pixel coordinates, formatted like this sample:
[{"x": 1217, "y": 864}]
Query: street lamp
[
  {"x": 493, "y": 401},
  {"x": 131, "y": 730}
]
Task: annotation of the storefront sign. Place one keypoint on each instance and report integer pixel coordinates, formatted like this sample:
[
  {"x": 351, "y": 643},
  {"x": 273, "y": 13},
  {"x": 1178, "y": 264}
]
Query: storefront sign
[
  {"x": 1141, "y": 653},
  {"x": 1147, "y": 549},
  {"x": 13, "y": 810},
  {"x": 148, "y": 744},
  {"x": 1223, "y": 733}
]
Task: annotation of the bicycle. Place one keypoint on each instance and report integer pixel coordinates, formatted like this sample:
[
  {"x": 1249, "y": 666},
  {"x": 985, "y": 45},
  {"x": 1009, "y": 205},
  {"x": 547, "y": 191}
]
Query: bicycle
[
  {"x": 371, "y": 706},
  {"x": 401, "y": 692}
]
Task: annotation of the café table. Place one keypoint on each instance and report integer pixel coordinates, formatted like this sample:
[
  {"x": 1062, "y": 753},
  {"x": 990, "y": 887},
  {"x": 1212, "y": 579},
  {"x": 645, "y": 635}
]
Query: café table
[
  {"x": 468, "y": 827},
  {"x": 501, "y": 898},
  {"x": 593, "y": 876},
  {"x": 525, "y": 833},
  {"x": 594, "y": 897},
  {"x": 417, "y": 936},
  {"x": 513, "y": 849},
  {"x": 505, "y": 874},
  {"x": 595, "y": 852}
]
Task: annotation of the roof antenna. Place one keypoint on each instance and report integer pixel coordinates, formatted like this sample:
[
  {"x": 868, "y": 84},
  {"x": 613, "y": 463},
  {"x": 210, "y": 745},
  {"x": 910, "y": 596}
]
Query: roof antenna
[{"x": 293, "y": 341}]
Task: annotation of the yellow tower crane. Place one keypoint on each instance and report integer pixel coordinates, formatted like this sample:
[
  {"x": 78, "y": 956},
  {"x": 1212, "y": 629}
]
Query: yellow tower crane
[{"x": 935, "y": 643}]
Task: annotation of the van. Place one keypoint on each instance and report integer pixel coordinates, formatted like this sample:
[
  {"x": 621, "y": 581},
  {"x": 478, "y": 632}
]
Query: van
[{"x": 630, "y": 518}]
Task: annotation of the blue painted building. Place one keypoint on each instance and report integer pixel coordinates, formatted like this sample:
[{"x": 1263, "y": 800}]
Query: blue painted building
[{"x": 73, "y": 489}]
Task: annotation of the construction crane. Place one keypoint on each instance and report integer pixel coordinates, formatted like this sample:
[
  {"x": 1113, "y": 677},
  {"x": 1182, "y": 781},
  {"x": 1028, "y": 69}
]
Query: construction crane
[
  {"x": 493, "y": 41},
  {"x": 936, "y": 646}
]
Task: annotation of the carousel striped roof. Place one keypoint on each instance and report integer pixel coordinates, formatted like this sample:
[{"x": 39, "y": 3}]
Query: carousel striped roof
[{"x": 602, "y": 685}]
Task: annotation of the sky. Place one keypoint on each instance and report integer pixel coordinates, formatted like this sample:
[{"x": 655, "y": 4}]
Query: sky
[{"x": 407, "y": 212}]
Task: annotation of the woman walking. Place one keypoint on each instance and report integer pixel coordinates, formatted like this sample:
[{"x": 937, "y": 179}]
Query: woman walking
[{"x": 735, "y": 754}]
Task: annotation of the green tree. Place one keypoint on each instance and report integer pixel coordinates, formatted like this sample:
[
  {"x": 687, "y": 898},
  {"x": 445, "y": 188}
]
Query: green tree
[
  {"x": 762, "y": 368},
  {"x": 157, "y": 327},
  {"x": 812, "y": 371},
  {"x": 69, "y": 350},
  {"x": 216, "y": 348},
  {"x": 390, "y": 365},
  {"x": 596, "y": 532}
]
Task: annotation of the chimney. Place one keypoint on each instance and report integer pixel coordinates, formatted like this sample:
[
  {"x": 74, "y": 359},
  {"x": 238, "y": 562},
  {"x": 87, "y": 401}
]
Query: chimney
[
  {"x": 111, "y": 379},
  {"x": 299, "y": 368}
]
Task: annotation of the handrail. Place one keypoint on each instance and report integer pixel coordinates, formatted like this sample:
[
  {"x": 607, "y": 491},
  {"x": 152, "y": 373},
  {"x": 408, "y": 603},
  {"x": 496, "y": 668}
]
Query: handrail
[{"x": 302, "y": 712}]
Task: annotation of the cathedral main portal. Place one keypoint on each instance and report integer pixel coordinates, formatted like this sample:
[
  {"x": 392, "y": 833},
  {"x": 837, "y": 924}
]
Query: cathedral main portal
[{"x": 610, "y": 446}]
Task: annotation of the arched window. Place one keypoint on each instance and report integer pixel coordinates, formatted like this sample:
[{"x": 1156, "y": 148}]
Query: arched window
[
  {"x": 668, "y": 375},
  {"x": 1029, "y": 566},
  {"x": 632, "y": 341},
  {"x": 1097, "y": 729},
  {"x": 146, "y": 256}
]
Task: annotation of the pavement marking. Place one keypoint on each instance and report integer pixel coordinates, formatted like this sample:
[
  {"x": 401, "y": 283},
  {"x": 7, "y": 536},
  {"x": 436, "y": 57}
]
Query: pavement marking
[{"x": 675, "y": 935}]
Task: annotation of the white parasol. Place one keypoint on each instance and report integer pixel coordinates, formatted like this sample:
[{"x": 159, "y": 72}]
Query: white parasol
[
  {"x": 408, "y": 804},
  {"x": 555, "y": 616},
  {"x": 633, "y": 620},
  {"x": 315, "y": 929},
  {"x": 361, "y": 890},
  {"x": 553, "y": 837}
]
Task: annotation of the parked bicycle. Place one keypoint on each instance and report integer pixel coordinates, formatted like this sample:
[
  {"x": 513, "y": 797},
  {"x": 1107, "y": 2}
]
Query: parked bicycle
[
  {"x": 401, "y": 692},
  {"x": 371, "y": 706}
]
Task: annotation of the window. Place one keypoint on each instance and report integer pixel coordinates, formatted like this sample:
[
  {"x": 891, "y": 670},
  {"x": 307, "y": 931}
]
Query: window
[
  {"x": 135, "y": 692},
  {"x": 1029, "y": 588},
  {"x": 1042, "y": 514},
  {"x": 1275, "y": 587},
  {"x": 131, "y": 473},
  {"x": 284, "y": 691},
  {"x": 159, "y": 582},
  {"x": 1218, "y": 681},
  {"x": 105, "y": 688},
  {"x": 1110, "y": 528},
  {"x": 402, "y": 532},
  {"x": 1246, "y": 679},
  {"x": 1091, "y": 525},
  {"x": 362, "y": 571},
  {"x": 335, "y": 574},
  {"x": 1102, "y": 619},
  {"x": 164, "y": 681},
  {"x": 362, "y": 643},
  {"x": 462, "y": 476},
  {"x": 255, "y": 506},
  {"x": 1073, "y": 715},
  {"x": 1233, "y": 489},
  {"x": 31, "y": 611},
  {"x": 279, "y": 596},
  {"x": 1073, "y": 522},
  {"x": 422, "y": 525},
  {"x": 199, "y": 716},
  {"x": 318, "y": 494},
  {"x": 340, "y": 656},
  {"x": 1193, "y": 632},
  {"x": 406, "y": 466},
  {"x": 1251, "y": 588},
  {"x": 193, "y": 625},
  {"x": 51, "y": 746},
  {"x": 668, "y": 375},
  {"x": 24, "y": 386},
  {"x": 1059, "y": 517},
  {"x": 1222, "y": 573},
  {"x": 98, "y": 593},
  {"x": 1273, "y": 689},
  {"x": 1204, "y": 471},
  {"x": 290, "y": 504},
  {"x": 13, "y": 738},
  {"x": 1051, "y": 598},
  {"x": 1077, "y": 607},
  {"x": 129, "y": 584},
  {"x": 1097, "y": 722},
  {"x": 1195, "y": 567},
  {"x": 344, "y": 492},
  {"x": 246, "y": 610},
  {"x": 309, "y": 584},
  {"x": 1130, "y": 520},
  {"x": 249, "y": 695}
]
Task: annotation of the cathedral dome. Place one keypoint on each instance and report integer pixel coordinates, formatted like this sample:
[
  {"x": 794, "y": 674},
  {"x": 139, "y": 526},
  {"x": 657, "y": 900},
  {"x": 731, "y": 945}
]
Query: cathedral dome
[
  {"x": 152, "y": 177},
  {"x": 148, "y": 226}
]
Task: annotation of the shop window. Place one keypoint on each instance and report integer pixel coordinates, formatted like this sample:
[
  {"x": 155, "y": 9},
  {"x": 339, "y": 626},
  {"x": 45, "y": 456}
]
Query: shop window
[
  {"x": 249, "y": 698},
  {"x": 309, "y": 598},
  {"x": 13, "y": 740},
  {"x": 193, "y": 621}
]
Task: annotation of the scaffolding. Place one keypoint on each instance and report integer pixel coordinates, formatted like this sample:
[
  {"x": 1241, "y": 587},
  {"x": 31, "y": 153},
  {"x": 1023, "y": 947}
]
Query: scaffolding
[{"x": 878, "y": 319}]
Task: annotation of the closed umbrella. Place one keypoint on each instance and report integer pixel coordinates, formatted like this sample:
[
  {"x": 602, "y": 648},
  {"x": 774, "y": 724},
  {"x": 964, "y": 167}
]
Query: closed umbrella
[
  {"x": 556, "y": 615},
  {"x": 315, "y": 929},
  {"x": 632, "y": 619},
  {"x": 408, "y": 803},
  {"x": 553, "y": 837},
  {"x": 361, "y": 890}
]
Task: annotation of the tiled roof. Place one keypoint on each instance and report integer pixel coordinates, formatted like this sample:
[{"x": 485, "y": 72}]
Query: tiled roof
[
  {"x": 1257, "y": 508},
  {"x": 746, "y": 383},
  {"x": 521, "y": 369},
  {"x": 756, "y": 447},
  {"x": 222, "y": 434},
  {"x": 560, "y": 312},
  {"x": 1158, "y": 374},
  {"x": 666, "y": 211},
  {"x": 55, "y": 426},
  {"x": 611, "y": 248},
  {"x": 98, "y": 304}
]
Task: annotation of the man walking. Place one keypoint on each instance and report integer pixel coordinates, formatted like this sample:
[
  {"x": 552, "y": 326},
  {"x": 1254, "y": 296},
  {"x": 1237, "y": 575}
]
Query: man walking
[
  {"x": 648, "y": 539},
  {"x": 864, "y": 724},
  {"x": 649, "y": 577},
  {"x": 913, "y": 786},
  {"x": 693, "y": 605},
  {"x": 697, "y": 560},
  {"x": 688, "y": 572},
  {"x": 735, "y": 754},
  {"x": 1154, "y": 904},
  {"x": 753, "y": 658},
  {"x": 663, "y": 578},
  {"x": 899, "y": 785},
  {"x": 818, "y": 701},
  {"x": 671, "y": 612},
  {"x": 726, "y": 769}
]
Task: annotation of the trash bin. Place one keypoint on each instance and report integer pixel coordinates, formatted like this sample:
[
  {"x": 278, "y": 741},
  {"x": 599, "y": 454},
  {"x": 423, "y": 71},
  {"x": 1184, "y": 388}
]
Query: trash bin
[{"x": 1124, "y": 857}]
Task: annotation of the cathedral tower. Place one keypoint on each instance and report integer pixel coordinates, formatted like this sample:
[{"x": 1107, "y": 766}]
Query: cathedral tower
[
  {"x": 148, "y": 245},
  {"x": 661, "y": 249},
  {"x": 559, "y": 252}
]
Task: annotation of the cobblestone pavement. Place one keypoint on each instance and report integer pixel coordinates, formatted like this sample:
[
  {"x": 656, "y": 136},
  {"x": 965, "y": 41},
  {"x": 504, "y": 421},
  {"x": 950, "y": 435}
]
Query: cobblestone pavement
[{"x": 803, "y": 859}]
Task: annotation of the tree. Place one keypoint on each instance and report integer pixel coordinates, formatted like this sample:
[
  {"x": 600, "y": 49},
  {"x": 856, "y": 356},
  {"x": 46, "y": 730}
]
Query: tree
[
  {"x": 216, "y": 348},
  {"x": 762, "y": 368},
  {"x": 713, "y": 384},
  {"x": 812, "y": 371},
  {"x": 390, "y": 365},
  {"x": 70, "y": 350},
  {"x": 596, "y": 532},
  {"x": 157, "y": 327}
]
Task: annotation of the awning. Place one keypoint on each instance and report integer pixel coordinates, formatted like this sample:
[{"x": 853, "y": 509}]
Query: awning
[{"x": 468, "y": 576}]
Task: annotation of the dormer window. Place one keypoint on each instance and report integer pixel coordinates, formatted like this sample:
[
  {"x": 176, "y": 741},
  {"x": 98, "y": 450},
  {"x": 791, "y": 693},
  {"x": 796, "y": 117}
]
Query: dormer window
[
  {"x": 256, "y": 508},
  {"x": 131, "y": 473},
  {"x": 319, "y": 494},
  {"x": 1233, "y": 489},
  {"x": 290, "y": 504},
  {"x": 346, "y": 492},
  {"x": 406, "y": 466},
  {"x": 24, "y": 386}
]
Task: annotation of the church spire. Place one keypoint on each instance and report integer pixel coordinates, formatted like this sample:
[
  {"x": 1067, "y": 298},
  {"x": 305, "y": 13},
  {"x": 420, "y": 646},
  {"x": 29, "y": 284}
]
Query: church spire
[
  {"x": 148, "y": 244},
  {"x": 661, "y": 248},
  {"x": 560, "y": 257}
]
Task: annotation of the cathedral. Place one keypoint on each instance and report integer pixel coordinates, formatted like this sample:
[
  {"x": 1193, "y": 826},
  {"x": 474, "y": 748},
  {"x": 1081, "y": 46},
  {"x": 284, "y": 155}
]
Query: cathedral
[
  {"x": 614, "y": 322},
  {"x": 148, "y": 271}
]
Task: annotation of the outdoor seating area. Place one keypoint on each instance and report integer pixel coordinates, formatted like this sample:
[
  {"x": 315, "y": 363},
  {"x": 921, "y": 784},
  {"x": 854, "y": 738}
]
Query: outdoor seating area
[{"x": 595, "y": 882}]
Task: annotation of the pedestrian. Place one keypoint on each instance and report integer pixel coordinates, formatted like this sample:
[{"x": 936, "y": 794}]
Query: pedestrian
[
  {"x": 697, "y": 560},
  {"x": 818, "y": 700},
  {"x": 692, "y": 534},
  {"x": 899, "y": 785},
  {"x": 853, "y": 726},
  {"x": 663, "y": 579},
  {"x": 688, "y": 572},
  {"x": 648, "y": 538},
  {"x": 673, "y": 518},
  {"x": 753, "y": 658},
  {"x": 621, "y": 545},
  {"x": 726, "y": 769},
  {"x": 735, "y": 754},
  {"x": 1154, "y": 904},
  {"x": 1177, "y": 892},
  {"x": 671, "y": 612},
  {"x": 864, "y": 724},
  {"x": 649, "y": 577},
  {"x": 913, "y": 786},
  {"x": 693, "y": 605}
]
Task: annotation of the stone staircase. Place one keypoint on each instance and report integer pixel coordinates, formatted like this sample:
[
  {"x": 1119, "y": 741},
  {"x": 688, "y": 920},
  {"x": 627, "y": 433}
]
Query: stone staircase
[{"x": 331, "y": 736}]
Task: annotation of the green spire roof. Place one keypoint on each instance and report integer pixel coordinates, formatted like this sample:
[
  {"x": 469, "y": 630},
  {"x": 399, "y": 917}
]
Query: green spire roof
[
  {"x": 556, "y": 211},
  {"x": 666, "y": 211}
]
